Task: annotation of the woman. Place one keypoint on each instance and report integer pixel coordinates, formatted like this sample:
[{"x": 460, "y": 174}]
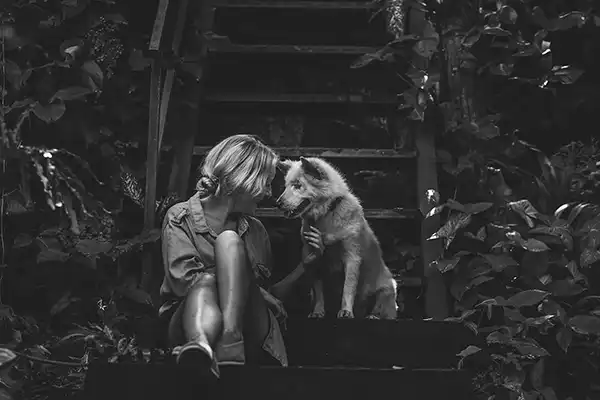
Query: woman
[{"x": 215, "y": 255}]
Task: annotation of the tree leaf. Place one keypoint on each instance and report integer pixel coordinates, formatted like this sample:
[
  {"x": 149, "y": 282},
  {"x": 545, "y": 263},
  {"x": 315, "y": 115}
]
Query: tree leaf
[
  {"x": 500, "y": 261},
  {"x": 93, "y": 246},
  {"x": 71, "y": 93},
  {"x": 495, "y": 31},
  {"x": 94, "y": 71},
  {"x": 548, "y": 393},
  {"x": 564, "y": 338},
  {"x": 498, "y": 337},
  {"x": 550, "y": 307},
  {"x": 507, "y": 15},
  {"x": 565, "y": 288},
  {"x": 588, "y": 257},
  {"x": 6, "y": 357},
  {"x": 476, "y": 208},
  {"x": 49, "y": 113},
  {"x": 470, "y": 350},
  {"x": 566, "y": 74},
  {"x": 454, "y": 223},
  {"x": 534, "y": 245},
  {"x": 537, "y": 374},
  {"x": 22, "y": 240},
  {"x": 529, "y": 348},
  {"x": 526, "y": 210},
  {"x": 446, "y": 265},
  {"x": 577, "y": 276},
  {"x": 527, "y": 298},
  {"x": 585, "y": 324}
]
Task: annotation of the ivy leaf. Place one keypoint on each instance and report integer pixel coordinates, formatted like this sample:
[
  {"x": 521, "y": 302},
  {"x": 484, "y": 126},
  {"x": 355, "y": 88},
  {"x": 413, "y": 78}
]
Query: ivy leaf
[
  {"x": 550, "y": 307},
  {"x": 548, "y": 393},
  {"x": 577, "y": 276},
  {"x": 498, "y": 337},
  {"x": 71, "y": 93},
  {"x": 6, "y": 357},
  {"x": 93, "y": 247},
  {"x": 565, "y": 288},
  {"x": 49, "y": 113},
  {"x": 476, "y": 208},
  {"x": 500, "y": 261},
  {"x": 470, "y": 350},
  {"x": 495, "y": 31},
  {"x": 585, "y": 324},
  {"x": 537, "y": 374},
  {"x": 564, "y": 338},
  {"x": 527, "y": 298}
]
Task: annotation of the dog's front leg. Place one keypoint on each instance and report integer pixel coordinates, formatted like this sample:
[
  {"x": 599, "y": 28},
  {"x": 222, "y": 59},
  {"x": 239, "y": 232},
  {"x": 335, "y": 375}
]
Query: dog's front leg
[
  {"x": 352, "y": 262},
  {"x": 319, "y": 307}
]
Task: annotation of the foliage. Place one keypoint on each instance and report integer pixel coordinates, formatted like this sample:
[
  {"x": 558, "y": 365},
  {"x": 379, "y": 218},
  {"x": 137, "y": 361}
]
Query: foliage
[
  {"x": 73, "y": 124},
  {"x": 525, "y": 281}
]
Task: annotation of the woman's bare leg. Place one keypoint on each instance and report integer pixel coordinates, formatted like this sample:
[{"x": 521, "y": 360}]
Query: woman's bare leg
[{"x": 239, "y": 297}]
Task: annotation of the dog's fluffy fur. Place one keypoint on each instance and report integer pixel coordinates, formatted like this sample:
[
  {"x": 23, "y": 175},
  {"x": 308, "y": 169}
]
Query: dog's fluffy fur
[{"x": 317, "y": 193}]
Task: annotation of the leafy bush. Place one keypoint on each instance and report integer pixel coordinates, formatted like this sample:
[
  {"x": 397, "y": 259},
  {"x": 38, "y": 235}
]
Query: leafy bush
[{"x": 525, "y": 281}]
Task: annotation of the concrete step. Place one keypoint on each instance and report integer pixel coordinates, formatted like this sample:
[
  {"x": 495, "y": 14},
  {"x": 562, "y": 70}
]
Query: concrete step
[
  {"x": 166, "y": 381},
  {"x": 376, "y": 344}
]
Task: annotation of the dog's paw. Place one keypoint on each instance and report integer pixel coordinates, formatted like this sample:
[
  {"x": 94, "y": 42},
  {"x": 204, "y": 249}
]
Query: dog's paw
[
  {"x": 372, "y": 316},
  {"x": 345, "y": 314},
  {"x": 317, "y": 314}
]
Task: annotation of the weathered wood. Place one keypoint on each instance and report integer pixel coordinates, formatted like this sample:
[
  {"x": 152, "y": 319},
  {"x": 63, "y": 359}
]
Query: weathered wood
[
  {"x": 397, "y": 213},
  {"x": 159, "y": 25},
  {"x": 327, "y": 152},
  {"x": 313, "y": 5},
  {"x": 299, "y": 98},
  {"x": 408, "y": 344},
  {"x": 223, "y": 46},
  {"x": 166, "y": 381},
  {"x": 436, "y": 292}
]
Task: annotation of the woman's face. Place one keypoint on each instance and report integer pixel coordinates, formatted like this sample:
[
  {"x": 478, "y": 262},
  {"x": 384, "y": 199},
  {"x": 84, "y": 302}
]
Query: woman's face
[{"x": 247, "y": 204}]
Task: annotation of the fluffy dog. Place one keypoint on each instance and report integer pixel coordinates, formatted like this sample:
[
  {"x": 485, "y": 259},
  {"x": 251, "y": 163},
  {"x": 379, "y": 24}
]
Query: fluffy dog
[{"x": 317, "y": 193}]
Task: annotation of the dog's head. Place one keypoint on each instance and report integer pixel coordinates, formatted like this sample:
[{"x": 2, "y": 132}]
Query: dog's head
[{"x": 305, "y": 186}]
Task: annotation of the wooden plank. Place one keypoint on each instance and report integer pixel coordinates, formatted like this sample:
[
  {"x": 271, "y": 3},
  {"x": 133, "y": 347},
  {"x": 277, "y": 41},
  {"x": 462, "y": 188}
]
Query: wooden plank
[
  {"x": 299, "y": 98},
  {"x": 327, "y": 152},
  {"x": 396, "y": 213},
  {"x": 436, "y": 303},
  {"x": 129, "y": 381},
  {"x": 159, "y": 25},
  {"x": 223, "y": 46},
  {"x": 316, "y": 5}
]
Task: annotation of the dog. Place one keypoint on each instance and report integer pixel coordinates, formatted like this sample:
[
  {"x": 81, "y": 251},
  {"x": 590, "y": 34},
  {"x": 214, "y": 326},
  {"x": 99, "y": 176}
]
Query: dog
[{"x": 318, "y": 193}]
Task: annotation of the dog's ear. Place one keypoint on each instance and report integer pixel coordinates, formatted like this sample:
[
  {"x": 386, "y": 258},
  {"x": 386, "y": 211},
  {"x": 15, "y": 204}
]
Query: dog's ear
[
  {"x": 311, "y": 169},
  {"x": 284, "y": 166}
]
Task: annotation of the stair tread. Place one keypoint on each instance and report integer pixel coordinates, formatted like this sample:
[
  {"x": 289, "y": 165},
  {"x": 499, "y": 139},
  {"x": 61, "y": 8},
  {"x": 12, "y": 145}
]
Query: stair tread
[
  {"x": 327, "y": 152},
  {"x": 401, "y": 343},
  {"x": 224, "y": 46},
  {"x": 123, "y": 381},
  {"x": 316, "y": 98},
  {"x": 327, "y": 5}
]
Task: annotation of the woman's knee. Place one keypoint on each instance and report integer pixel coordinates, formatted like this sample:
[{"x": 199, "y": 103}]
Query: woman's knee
[
  {"x": 230, "y": 242},
  {"x": 203, "y": 283}
]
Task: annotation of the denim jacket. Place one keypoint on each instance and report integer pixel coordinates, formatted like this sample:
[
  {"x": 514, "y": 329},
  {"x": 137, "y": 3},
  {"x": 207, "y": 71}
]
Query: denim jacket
[{"x": 188, "y": 252}]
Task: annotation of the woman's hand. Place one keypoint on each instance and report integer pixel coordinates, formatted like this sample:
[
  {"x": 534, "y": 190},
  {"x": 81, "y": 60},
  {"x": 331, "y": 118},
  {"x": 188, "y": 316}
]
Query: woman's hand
[
  {"x": 314, "y": 240},
  {"x": 276, "y": 306}
]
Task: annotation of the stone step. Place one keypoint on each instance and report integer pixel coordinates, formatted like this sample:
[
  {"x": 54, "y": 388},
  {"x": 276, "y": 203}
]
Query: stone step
[
  {"x": 166, "y": 381},
  {"x": 376, "y": 344}
]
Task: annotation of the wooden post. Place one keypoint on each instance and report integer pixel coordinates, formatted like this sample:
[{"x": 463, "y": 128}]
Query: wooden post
[
  {"x": 182, "y": 162},
  {"x": 157, "y": 118},
  {"x": 436, "y": 304}
]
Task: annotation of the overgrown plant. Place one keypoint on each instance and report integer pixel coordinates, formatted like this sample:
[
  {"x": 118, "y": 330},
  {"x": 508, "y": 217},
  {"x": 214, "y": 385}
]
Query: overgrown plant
[{"x": 525, "y": 282}]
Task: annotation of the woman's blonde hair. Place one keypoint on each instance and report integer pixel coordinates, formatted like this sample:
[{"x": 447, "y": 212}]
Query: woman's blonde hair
[{"x": 240, "y": 164}]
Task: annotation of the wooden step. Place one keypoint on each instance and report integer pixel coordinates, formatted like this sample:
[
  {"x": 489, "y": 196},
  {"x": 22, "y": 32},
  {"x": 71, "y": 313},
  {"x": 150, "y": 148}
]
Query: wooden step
[
  {"x": 412, "y": 344},
  {"x": 224, "y": 46},
  {"x": 316, "y": 98},
  {"x": 316, "y": 5},
  {"x": 167, "y": 381},
  {"x": 397, "y": 213},
  {"x": 327, "y": 152}
]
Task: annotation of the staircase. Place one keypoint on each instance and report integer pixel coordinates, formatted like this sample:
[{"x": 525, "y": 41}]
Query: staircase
[
  {"x": 282, "y": 68},
  {"x": 329, "y": 359}
]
